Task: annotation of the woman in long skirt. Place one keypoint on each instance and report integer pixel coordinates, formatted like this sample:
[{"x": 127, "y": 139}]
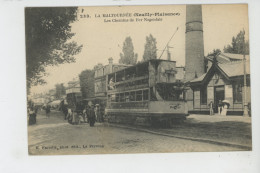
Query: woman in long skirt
[
  {"x": 224, "y": 109},
  {"x": 32, "y": 116},
  {"x": 69, "y": 116}
]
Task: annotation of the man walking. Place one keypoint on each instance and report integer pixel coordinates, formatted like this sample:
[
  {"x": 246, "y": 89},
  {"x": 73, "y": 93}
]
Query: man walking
[
  {"x": 48, "y": 110},
  {"x": 92, "y": 116}
]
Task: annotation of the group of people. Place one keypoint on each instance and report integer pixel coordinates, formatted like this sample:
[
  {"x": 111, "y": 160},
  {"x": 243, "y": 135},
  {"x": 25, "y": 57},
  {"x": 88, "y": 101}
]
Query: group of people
[
  {"x": 222, "y": 108},
  {"x": 90, "y": 114},
  {"x": 33, "y": 110}
]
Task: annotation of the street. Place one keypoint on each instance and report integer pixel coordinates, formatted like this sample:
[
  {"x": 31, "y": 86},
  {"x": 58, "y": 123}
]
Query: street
[{"x": 54, "y": 136}]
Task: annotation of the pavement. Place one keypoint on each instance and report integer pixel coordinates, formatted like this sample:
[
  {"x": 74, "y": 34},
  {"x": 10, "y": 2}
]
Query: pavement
[
  {"x": 52, "y": 136},
  {"x": 222, "y": 130}
]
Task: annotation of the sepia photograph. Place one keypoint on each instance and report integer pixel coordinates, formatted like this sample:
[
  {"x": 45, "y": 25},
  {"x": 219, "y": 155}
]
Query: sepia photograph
[{"x": 138, "y": 79}]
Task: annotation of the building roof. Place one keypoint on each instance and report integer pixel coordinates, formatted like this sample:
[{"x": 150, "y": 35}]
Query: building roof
[
  {"x": 232, "y": 69},
  {"x": 228, "y": 57},
  {"x": 234, "y": 56},
  {"x": 199, "y": 79},
  {"x": 235, "y": 69},
  {"x": 114, "y": 64}
]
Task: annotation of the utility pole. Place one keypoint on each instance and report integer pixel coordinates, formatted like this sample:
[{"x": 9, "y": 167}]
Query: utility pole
[
  {"x": 245, "y": 86},
  {"x": 168, "y": 52}
]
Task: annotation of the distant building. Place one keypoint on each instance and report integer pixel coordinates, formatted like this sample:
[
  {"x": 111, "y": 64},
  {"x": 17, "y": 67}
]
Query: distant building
[{"x": 224, "y": 80}]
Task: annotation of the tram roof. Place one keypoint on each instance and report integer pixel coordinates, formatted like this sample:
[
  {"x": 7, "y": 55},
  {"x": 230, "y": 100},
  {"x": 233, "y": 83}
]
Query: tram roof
[{"x": 139, "y": 64}]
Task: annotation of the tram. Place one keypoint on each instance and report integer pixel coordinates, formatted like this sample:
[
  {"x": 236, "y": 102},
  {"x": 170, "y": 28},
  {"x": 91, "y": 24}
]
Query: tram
[{"x": 148, "y": 93}]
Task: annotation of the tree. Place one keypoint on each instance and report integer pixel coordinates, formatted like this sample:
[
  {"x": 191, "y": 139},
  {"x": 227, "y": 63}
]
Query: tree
[
  {"x": 128, "y": 56},
  {"x": 150, "y": 49},
  {"x": 60, "y": 90},
  {"x": 47, "y": 32},
  {"x": 86, "y": 79},
  {"x": 239, "y": 45}
]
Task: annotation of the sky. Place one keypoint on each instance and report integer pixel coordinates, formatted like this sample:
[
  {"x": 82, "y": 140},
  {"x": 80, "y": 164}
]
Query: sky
[{"x": 102, "y": 40}]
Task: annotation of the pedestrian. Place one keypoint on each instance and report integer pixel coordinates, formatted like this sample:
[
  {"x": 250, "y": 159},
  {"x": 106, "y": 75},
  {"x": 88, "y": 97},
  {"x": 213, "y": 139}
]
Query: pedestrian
[
  {"x": 224, "y": 109},
  {"x": 102, "y": 112},
  {"x": 48, "y": 111},
  {"x": 32, "y": 115},
  {"x": 64, "y": 109},
  {"x": 69, "y": 116},
  {"x": 65, "y": 112},
  {"x": 75, "y": 118},
  {"x": 97, "y": 111},
  {"x": 92, "y": 117},
  {"x": 84, "y": 114},
  {"x": 88, "y": 110},
  {"x": 211, "y": 105},
  {"x": 220, "y": 104}
]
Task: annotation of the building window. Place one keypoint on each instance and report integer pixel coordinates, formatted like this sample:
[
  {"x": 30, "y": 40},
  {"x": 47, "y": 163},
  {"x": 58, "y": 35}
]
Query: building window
[
  {"x": 237, "y": 93},
  {"x": 127, "y": 97},
  {"x": 132, "y": 96},
  {"x": 203, "y": 95}
]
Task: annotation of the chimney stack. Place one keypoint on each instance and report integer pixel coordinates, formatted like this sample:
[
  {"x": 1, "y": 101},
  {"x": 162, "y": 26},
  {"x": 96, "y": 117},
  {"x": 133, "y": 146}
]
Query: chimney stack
[
  {"x": 194, "y": 45},
  {"x": 110, "y": 64}
]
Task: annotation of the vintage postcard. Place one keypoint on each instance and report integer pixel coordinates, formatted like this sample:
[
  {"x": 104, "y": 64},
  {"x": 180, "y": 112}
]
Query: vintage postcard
[{"x": 138, "y": 79}]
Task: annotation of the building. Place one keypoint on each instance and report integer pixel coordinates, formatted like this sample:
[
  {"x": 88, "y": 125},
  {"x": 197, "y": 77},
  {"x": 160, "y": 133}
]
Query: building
[
  {"x": 224, "y": 80},
  {"x": 100, "y": 77}
]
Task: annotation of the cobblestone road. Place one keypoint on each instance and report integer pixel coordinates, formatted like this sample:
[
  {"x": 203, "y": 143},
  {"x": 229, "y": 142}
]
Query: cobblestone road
[{"x": 56, "y": 136}]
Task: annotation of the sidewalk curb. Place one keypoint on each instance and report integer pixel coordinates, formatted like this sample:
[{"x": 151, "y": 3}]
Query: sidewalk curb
[{"x": 183, "y": 137}]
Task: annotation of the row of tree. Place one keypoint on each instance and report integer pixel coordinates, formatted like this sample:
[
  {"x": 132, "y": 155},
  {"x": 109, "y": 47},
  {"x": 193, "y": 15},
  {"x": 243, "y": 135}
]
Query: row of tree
[
  {"x": 238, "y": 45},
  {"x": 130, "y": 57}
]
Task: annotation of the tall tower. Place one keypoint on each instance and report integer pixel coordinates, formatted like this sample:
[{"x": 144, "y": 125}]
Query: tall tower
[{"x": 194, "y": 50}]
